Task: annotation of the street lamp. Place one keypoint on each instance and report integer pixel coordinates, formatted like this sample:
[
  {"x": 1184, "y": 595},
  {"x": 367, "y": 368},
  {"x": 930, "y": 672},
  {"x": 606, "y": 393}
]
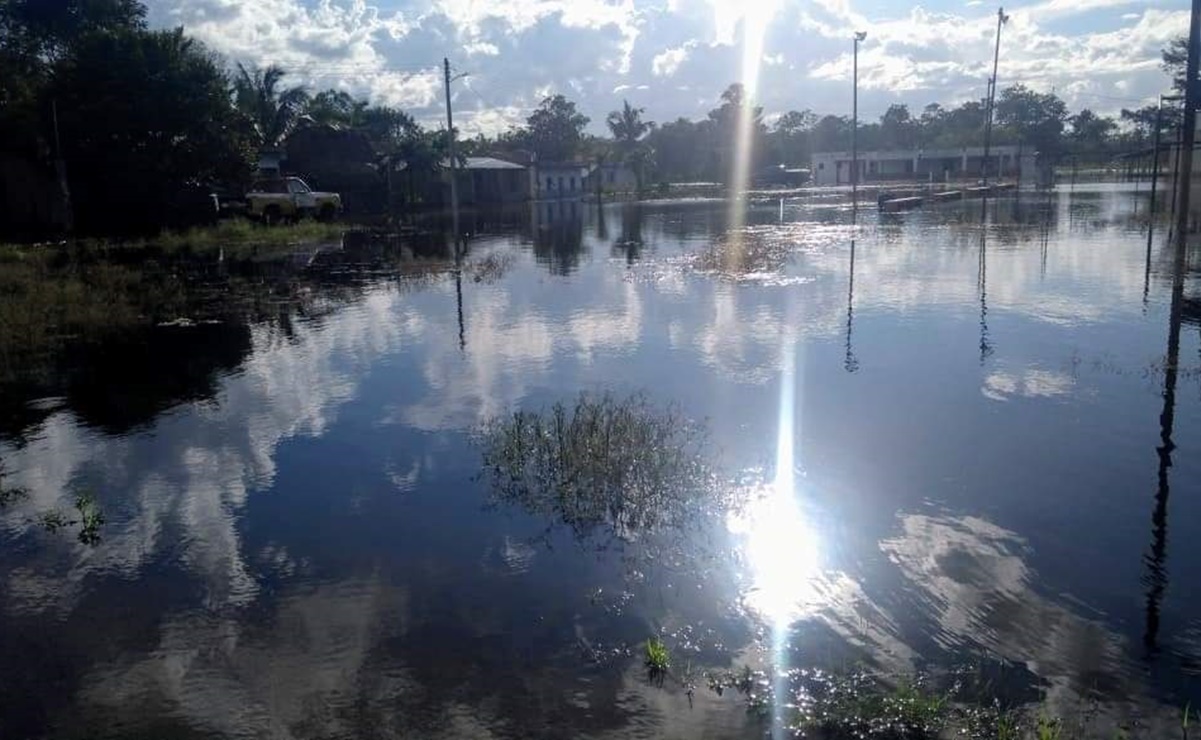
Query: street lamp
[
  {"x": 859, "y": 37},
  {"x": 1002, "y": 19}
]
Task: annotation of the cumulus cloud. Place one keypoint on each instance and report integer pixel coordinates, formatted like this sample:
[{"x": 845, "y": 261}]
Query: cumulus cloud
[{"x": 674, "y": 57}]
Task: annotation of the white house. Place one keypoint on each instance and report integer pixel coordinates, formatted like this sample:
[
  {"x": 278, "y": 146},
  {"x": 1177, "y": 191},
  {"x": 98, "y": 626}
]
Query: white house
[
  {"x": 834, "y": 168},
  {"x": 561, "y": 179}
]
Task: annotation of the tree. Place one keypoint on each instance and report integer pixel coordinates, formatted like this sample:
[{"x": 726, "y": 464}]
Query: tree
[
  {"x": 628, "y": 128},
  {"x": 555, "y": 129},
  {"x": 1032, "y": 118},
  {"x": 46, "y": 29},
  {"x": 1090, "y": 132},
  {"x": 897, "y": 128},
  {"x": 144, "y": 116},
  {"x": 1175, "y": 62},
  {"x": 271, "y": 110},
  {"x": 336, "y": 108}
]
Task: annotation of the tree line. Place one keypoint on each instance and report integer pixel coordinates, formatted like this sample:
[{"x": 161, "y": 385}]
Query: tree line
[{"x": 146, "y": 120}]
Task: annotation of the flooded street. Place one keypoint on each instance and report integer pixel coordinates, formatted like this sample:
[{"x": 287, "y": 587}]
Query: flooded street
[{"x": 922, "y": 445}]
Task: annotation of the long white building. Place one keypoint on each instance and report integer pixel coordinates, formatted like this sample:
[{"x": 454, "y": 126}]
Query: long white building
[{"x": 834, "y": 168}]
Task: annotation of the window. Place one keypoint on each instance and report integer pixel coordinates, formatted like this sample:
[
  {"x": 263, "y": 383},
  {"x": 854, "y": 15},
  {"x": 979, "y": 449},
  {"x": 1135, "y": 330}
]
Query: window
[
  {"x": 560, "y": 182},
  {"x": 550, "y": 184},
  {"x": 821, "y": 165},
  {"x": 297, "y": 187},
  {"x": 573, "y": 184},
  {"x": 611, "y": 177}
]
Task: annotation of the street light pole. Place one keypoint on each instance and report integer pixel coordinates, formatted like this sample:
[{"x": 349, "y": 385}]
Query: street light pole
[
  {"x": 859, "y": 37},
  {"x": 992, "y": 96},
  {"x": 450, "y": 146}
]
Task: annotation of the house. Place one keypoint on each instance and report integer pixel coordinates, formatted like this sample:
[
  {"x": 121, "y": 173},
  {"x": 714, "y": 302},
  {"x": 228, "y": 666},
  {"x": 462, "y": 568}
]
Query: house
[
  {"x": 561, "y": 180},
  {"x": 491, "y": 181},
  {"x": 834, "y": 168},
  {"x": 612, "y": 177}
]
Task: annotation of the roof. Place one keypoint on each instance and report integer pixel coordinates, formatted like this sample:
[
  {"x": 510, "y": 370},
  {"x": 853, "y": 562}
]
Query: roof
[{"x": 489, "y": 163}]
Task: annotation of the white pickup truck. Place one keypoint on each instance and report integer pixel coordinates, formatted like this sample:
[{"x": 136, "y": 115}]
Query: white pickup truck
[{"x": 290, "y": 198}]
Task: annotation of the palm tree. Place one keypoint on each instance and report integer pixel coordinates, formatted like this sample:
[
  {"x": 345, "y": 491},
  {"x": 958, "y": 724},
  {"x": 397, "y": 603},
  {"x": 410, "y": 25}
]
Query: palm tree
[
  {"x": 628, "y": 128},
  {"x": 273, "y": 112}
]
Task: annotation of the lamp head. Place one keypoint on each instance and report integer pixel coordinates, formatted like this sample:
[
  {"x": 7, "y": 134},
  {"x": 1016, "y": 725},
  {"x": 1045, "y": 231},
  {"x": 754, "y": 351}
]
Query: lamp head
[{"x": 860, "y": 35}]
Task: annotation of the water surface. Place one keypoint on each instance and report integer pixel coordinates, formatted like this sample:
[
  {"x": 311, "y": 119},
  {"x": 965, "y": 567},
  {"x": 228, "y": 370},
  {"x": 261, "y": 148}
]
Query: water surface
[{"x": 987, "y": 464}]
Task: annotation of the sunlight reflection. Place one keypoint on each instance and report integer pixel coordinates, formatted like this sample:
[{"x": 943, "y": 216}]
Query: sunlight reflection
[
  {"x": 781, "y": 548},
  {"x": 756, "y": 16}
]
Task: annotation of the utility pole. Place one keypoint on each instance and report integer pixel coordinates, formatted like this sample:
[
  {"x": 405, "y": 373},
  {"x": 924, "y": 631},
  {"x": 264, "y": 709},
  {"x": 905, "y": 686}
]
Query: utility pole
[
  {"x": 454, "y": 165},
  {"x": 859, "y": 37},
  {"x": 1189, "y": 134},
  {"x": 992, "y": 96}
]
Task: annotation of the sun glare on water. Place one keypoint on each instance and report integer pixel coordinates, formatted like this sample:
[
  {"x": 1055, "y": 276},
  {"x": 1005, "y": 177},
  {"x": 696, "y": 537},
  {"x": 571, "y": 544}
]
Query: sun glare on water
[{"x": 781, "y": 548}]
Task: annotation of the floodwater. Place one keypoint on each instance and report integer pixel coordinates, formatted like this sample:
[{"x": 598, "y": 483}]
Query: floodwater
[{"x": 929, "y": 445}]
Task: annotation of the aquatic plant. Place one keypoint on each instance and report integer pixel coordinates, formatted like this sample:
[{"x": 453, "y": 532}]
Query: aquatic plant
[
  {"x": 658, "y": 660},
  {"x": 615, "y": 468},
  {"x": 88, "y": 518}
]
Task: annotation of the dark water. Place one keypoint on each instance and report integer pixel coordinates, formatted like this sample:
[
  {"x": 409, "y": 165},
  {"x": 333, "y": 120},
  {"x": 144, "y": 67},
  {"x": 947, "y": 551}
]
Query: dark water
[{"x": 300, "y": 540}]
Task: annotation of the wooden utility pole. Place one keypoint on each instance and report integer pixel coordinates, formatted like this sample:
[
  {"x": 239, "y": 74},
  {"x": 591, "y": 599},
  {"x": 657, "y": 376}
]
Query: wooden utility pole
[
  {"x": 454, "y": 164},
  {"x": 1189, "y": 132}
]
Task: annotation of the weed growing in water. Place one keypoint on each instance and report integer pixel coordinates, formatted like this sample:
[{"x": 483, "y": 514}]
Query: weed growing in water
[
  {"x": 658, "y": 660},
  {"x": 607, "y": 467}
]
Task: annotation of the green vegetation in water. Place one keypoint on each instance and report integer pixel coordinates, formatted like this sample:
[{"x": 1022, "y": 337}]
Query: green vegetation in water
[
  {"x": 238, "y": 233},
  {"x": 87, "y": 517},
  {"x": 658, "y": 659},
  {"x": 9, "y": 495},
  {"x": 616, "y": 467}
]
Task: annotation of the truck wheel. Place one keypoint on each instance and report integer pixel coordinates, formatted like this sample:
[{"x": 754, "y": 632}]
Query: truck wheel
[{"x": 272, "y": 216}]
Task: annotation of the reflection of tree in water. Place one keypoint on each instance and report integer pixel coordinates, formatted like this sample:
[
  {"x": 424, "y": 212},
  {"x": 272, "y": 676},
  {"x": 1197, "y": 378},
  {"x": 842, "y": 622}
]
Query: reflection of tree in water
[
  {"x": 558, "y": 234},
  {"x": 630, "y": 241},
  {"x": 125, "y": 334},
  {"x": 613, "y": 470}
]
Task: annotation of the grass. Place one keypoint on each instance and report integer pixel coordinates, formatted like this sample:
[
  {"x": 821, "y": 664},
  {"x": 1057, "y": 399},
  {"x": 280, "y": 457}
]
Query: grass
[
  {"x": 239, "y": 234},
  {"x": 658, "y": 659},
  {"x": 604, "y": 466}
]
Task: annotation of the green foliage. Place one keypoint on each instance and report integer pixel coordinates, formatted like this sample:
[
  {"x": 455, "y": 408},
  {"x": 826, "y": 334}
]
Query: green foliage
[
  {"x": 1046, "y": 728},
  {"x": 1175, "y": 62},
  {"x": 606, "y": 467},
  {"x": 1032, "y": 118},
  {"x": 272, "y": 110},
  {"x": 658, "y": 659},
  {"x": 555, "y": 130},
  {"x": 143, "y": 115}
]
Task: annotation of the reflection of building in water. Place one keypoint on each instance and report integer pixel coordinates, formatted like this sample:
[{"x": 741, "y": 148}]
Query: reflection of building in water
[{"x": 558, "y": 233}]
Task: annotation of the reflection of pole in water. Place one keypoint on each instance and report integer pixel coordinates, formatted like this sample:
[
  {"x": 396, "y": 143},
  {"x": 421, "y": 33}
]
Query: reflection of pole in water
[
  {"x": 986, "y": 348},
  {"x": 851, "y": 364},
  {"x": 1046, "y": 235},
  {"x": 1156, "y": 578},
  {"x": 459, "y": 299}
]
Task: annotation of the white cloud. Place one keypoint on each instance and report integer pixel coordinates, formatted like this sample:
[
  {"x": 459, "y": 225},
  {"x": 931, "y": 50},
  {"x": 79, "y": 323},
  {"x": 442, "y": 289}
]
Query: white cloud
[
  {"x": 674, "y": 57},
  {"x": 666, "y": 64}
]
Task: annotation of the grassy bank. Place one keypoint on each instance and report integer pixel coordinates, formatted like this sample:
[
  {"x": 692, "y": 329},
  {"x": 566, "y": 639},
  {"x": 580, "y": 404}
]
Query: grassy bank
[{"x": 238, "y": 235}]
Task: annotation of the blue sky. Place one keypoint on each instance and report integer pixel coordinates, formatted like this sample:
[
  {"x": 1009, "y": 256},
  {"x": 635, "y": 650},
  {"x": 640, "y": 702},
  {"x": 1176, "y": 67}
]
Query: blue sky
[{"x": 674, "y": 57}]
